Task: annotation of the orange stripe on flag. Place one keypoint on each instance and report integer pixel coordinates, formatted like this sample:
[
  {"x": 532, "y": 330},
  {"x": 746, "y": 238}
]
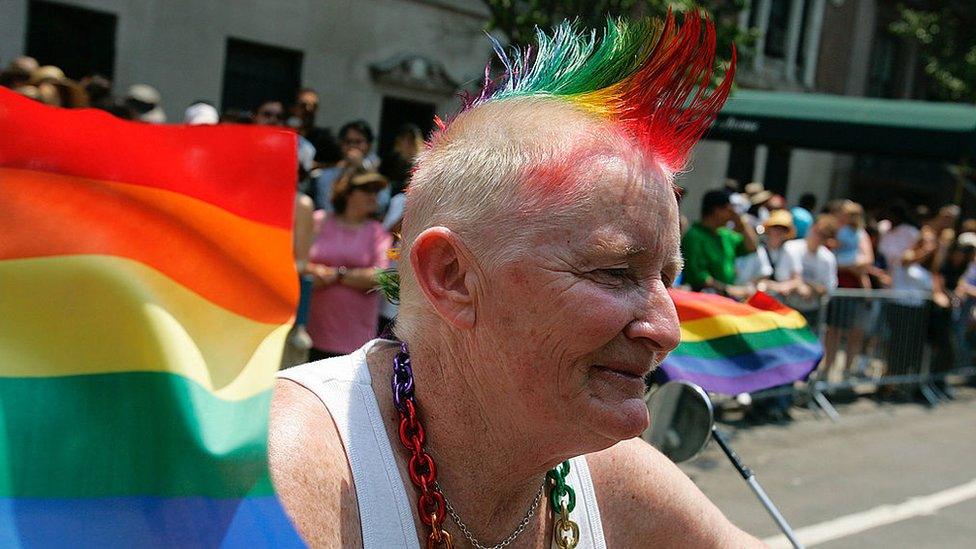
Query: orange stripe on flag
[{"x": 240, "y": 265}]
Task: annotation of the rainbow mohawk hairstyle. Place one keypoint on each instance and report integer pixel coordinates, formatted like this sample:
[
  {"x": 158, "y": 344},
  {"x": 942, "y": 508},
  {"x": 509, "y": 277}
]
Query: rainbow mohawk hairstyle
[{"x": 650, "y": 77}]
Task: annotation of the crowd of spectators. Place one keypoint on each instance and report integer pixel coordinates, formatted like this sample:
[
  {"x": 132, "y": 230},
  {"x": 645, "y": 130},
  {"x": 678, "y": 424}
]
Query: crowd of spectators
[
  {"x": 348, "y": 204},
  {"x": 350, "y": 197},
  {"x": 752, "y": 241}
]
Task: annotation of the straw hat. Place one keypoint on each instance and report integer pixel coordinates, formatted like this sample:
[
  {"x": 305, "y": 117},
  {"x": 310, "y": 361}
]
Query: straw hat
[
  {"x": 47, "y": 73},
  {"x": 757, "y": 193},
  {"x": 358, "y": 178},
  {"x": 780, "y": 218},
  {"x": 145, "y": 100},
  {"x": 753, "y": 188}
]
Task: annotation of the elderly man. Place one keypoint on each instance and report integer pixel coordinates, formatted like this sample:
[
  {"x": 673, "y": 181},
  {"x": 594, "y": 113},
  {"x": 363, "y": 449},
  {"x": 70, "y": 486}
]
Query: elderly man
[{"x": 539, "y": 240}]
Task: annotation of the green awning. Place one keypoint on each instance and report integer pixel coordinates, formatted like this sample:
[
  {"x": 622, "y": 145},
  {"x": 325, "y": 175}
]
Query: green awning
[{"x": 944, "y": 131}]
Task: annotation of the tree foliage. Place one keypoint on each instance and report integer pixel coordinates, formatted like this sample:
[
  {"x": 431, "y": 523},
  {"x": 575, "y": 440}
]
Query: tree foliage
[
  {"x": 945, "y": 31},
  {"x": 518, "y": 19}
]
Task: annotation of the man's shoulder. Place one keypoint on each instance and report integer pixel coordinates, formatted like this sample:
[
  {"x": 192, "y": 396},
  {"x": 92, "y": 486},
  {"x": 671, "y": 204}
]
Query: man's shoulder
[
  {"x": 795, "y": 246},
  {"x": 693, "y": 232},
  {"x": 645, "y": 500},
  {"x": 302, "y": 437},
  {"x": 728, "y": 234},
  {"x": 308, "y": 465},
  {"x": 826, "y": 255},
  {"x": 376, "y": 227},
  {"x": 698, "y": 234}
]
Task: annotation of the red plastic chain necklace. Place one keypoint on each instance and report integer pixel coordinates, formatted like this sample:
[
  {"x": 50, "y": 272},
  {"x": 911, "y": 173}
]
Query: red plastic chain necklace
[{"x": 431, "y": 504}]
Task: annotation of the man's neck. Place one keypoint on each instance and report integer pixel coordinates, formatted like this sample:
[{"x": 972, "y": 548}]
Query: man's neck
[{"x": 490, "y": 477}]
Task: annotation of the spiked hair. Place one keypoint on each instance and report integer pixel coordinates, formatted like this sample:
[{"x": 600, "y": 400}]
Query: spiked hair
[{"x": 650, "y": 77}]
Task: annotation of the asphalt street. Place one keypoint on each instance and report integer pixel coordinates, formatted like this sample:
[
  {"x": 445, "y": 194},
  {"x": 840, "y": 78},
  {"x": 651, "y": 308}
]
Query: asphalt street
[{"x": 885, "y": 475}]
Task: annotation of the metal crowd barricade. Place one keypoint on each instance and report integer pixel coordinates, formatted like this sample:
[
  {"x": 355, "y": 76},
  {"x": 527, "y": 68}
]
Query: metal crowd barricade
[
  {"x": 892, "y": 340},
  {"x": 896, "y": 339}
]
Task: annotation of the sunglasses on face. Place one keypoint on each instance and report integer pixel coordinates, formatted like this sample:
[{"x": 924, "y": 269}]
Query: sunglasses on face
[{"x": 272, "y": 114}]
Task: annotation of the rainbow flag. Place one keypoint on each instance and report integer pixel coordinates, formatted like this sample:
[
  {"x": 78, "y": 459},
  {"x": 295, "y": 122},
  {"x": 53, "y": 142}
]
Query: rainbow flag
[
  {"x": 730, "y": 347},
  {"x": 146, "y": 288}
]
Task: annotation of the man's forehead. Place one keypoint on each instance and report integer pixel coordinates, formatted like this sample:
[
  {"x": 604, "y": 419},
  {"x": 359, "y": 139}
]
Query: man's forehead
[
  {"x": 626, "y": 239},
  {"x": 632, "y": 191},
  {"x": 622, "y": 206}
]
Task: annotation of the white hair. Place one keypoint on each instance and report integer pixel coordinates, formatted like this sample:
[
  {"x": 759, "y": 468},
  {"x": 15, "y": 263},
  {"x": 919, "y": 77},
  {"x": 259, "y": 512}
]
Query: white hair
[{"x": 474, "y": 180}]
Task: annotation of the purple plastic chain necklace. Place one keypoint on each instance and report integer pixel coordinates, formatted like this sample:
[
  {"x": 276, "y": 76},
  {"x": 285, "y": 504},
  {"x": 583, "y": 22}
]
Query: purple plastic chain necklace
[{"x": 423, "y": 473}]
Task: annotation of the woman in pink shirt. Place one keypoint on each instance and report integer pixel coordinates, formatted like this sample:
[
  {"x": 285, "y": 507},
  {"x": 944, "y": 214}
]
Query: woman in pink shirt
[{"x": 349, "y": 250}]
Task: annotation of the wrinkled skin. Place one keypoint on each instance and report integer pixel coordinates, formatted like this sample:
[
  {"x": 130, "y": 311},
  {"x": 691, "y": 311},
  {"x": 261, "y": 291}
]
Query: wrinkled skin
[{"x": 579, "y": 317}]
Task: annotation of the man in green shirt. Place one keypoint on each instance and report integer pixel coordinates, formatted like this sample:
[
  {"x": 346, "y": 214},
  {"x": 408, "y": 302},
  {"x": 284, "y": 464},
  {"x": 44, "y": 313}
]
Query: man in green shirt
[{"x": 709, "y": 248}]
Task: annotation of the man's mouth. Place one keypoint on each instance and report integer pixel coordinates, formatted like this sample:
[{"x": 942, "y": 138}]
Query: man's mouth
[{"x": 627, "y": 371}]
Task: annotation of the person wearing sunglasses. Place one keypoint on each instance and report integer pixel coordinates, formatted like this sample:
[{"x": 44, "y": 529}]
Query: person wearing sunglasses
[{"x": 269, "y": 113}]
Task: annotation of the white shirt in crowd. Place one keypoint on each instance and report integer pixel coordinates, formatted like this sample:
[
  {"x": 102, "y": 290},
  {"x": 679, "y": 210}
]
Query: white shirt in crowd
[
  {"x": 818, "y": 267},
  {"x": 752, "y": 267},
  {"x": 893, "y": 246}
]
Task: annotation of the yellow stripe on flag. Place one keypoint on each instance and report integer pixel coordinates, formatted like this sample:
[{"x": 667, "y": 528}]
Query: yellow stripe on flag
[
  {"x": 93, "y": 314},
  {"x": 725, "y": 325}
]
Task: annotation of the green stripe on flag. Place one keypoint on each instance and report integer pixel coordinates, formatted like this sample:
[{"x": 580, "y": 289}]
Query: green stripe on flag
[
  {"x": 138, "y": 433},
  {"x": 740, "y": 344}
]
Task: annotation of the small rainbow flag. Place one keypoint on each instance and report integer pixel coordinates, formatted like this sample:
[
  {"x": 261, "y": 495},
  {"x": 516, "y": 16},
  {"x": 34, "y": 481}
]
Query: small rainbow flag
[
  {"x": 730, "y": 347},
  {"x": 146, "y": 289}
]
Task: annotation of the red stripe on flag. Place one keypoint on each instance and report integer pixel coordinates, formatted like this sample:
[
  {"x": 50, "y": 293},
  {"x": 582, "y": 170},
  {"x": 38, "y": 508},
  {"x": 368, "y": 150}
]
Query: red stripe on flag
[
  {"x": 241, "y": 169},
  {"x": 696, "y": 305}
]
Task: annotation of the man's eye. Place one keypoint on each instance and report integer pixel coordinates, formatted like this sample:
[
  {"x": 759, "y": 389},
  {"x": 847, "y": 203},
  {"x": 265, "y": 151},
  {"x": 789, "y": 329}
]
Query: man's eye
[
  {"x": 611, "y": 277},
  {"x": 616, "y": 273}
]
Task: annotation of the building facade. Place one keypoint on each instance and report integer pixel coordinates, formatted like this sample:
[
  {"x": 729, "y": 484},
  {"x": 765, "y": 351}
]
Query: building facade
[
  {"x": 393, "y": 61},
  {"x": 362, "y": 56},
  {"x": 834, "y": 47}
]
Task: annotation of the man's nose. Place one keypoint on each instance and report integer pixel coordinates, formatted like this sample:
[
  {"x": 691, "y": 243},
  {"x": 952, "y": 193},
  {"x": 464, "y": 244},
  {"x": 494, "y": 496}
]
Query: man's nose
[{"x": 656, "y": 320}]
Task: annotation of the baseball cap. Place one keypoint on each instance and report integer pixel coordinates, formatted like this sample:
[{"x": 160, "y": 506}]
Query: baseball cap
[
  {"x": 201, "y": 114},
  {"x": 966, "y": 240}
]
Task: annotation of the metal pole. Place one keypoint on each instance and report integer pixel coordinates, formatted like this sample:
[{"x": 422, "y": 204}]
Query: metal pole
[
  {"x": 750, "y": 479},
  {"x": 823, "y": 402},
  {"x": 818, "y": 384},
  {"x": 773, "y": 511}
]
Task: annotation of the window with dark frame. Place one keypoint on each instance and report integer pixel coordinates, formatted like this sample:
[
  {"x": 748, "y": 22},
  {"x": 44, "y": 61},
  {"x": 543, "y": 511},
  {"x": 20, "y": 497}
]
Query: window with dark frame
[
  {"x": 256, "y": 72},
  {"x": 778, "y": 28},
  {"x": 79, "y": 41}
]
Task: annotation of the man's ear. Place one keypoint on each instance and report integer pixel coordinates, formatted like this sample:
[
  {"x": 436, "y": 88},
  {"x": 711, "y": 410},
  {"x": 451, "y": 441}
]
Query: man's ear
[{"x": 445, "y": 271}]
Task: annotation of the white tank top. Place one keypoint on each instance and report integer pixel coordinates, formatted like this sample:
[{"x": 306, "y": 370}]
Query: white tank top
[{"x": 343, "y": 384}]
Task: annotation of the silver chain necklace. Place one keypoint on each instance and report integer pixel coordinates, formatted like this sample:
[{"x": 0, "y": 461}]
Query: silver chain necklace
[{"x": 518, "y": 530}]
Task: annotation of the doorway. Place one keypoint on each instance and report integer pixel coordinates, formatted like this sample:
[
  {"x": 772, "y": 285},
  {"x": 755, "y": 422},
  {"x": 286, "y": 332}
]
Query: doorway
[{"x": 396, "y": 112}]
